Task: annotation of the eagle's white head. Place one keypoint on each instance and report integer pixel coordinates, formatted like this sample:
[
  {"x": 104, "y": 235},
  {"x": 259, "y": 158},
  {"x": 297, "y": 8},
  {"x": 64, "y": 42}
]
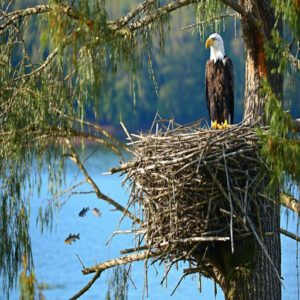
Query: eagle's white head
[{"x": 216, "y": 44}]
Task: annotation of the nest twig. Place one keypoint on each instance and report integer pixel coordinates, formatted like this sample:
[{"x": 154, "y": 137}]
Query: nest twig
[{"x": 195, "y": 186}]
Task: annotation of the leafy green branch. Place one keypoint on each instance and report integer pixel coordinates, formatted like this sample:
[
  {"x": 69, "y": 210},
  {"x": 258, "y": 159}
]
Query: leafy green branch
[{"x": 280, "y": 146}]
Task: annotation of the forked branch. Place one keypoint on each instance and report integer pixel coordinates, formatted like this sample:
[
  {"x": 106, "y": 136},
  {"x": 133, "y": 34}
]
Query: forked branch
[
  {"x": 99, "y": 268},
  {"x": 74, "y": 157},
  {"x": 123, "y": 260},
  {"x": 87, "y": 286}
]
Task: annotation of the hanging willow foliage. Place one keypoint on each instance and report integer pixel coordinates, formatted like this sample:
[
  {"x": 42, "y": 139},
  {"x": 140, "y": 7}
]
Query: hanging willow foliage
[{"x": 46, "y": 90}]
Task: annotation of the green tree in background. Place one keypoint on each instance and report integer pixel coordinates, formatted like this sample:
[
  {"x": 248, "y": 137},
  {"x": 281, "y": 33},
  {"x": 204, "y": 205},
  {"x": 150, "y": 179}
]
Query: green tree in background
[{"x": 64, "y": 83}]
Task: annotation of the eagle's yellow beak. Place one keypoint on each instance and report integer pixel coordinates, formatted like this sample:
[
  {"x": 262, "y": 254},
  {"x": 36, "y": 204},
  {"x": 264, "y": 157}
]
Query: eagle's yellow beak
[{"x": 209, "y": 42}]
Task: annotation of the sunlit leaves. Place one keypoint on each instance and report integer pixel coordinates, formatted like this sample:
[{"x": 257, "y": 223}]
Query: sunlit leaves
[{"x": 280, "y": 146}]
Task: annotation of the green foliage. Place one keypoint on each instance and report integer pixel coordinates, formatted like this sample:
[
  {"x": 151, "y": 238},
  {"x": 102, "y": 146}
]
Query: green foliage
[
  {"x": 208, "y": 14},
  {"x": 27, "y": 282},
  {"x": 15, "y": 240},
  {"x": 289, "y": 12},
  {"x": 275, "y": 49},
  {"x": 283, "y": 49},
  {"x": 280, "y": 146}
]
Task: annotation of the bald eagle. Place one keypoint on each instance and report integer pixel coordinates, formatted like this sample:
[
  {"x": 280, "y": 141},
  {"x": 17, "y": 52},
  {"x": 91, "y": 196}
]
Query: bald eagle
[{"x": 219, "y": 84}]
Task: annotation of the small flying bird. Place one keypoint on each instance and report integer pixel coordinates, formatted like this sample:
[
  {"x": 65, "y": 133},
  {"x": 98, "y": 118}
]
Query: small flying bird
[
  {"x": 72, "y": 238},
  {"x": 96, "y": 212},
  {"x": 83, "y": 212},
  {"x": 219, "y": 83}
]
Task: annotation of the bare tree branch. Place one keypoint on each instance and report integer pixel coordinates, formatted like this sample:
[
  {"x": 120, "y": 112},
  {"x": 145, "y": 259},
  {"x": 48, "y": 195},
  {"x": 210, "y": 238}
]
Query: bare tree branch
[
  {"x": 74, "y": 157},
  {"x": 132, "y": 14},
  {"x": 40, "y": 68},
  {"x": 123, "y": 260},
  {"x": 290, "y": 235},
  {"x": 87, "y": 286},
  {"x": 13, "y": 16},
  {"x": 39, "y": 9},
  {"x": 240, "y": 9},
  {"x": 99, "y": 268},
  {"x": 290, "y": 202},
  {"x": 164, "y": 10}
]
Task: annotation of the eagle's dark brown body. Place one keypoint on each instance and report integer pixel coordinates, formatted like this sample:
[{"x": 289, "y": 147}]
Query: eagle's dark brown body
[{"x": 219, "y": 90}]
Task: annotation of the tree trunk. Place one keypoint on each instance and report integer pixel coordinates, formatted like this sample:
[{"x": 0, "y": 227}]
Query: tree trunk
[
  {"x": 248, "y": 274},
  {"x": 262, "y": 283},
  {"x": 257, "y": 65}
]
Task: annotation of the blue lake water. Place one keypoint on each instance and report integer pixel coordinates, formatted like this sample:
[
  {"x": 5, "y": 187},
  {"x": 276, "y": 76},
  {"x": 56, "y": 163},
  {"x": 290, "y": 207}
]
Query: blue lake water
[{"x": 56, "y": 263}]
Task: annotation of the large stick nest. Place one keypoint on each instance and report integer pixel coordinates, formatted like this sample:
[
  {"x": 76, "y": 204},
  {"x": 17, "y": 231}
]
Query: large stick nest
[{"x": 195, "y": 186}]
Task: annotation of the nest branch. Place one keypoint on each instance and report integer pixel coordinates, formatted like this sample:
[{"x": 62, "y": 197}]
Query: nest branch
[
  {"x": 123, "y": 260},
  {"x": 194, "y": 188}
]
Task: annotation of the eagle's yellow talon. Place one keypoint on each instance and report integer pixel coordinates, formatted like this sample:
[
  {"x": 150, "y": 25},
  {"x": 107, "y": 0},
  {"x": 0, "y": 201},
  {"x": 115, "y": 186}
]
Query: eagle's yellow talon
[
  {"x": 225, "y": 125},
  {"x": 215, "y": 125}
]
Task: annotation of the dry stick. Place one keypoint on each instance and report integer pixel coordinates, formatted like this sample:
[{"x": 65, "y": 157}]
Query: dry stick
[
  {"x": 290, "y": 235},
  {"x": 4, "y": 12},
  {"x": 123, "y": 167},
  {"x": 230, "y": 203},
  {"x": 123, "y": 260},
  {"x": 80, "y": 261},
  {"x": 290, "y": 202},
  {"x": 122, "y": 232},
  {"x": 120, "y": 221},
  {"x": 126, "y": 131},
  {"x": 169, "y": 268},
  {"x": 129, "y": 231},
  {"x": 74, "y": 157},
  {"x": 68, "y": 190},
  {"x": 246, "y": 197},
  {"x": 87, "y": 286},
  {"x": 249, "y": 222},
  {"x": 132, "y": 14},
  {"x": 189, "y": 271},
  {"x": 238, "y": 218},
  {"x": 41, "y": 67},
  {"x": 163, "y": 10},
  {"x": 12, "y": 17},
  {"x": 138, "y": 248},
  {"x": 129, "y": 277},
  {"x": 51, "y": 56},
  {"x": 178, "y": 284}
]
